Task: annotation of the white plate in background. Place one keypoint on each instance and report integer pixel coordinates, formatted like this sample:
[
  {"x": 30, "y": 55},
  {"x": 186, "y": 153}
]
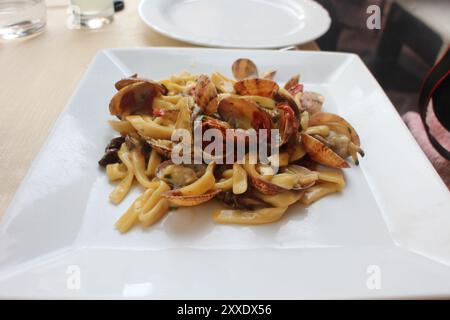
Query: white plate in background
[
  {"x": 385, "y": 235},
  {"x": 237, "y": 23}
]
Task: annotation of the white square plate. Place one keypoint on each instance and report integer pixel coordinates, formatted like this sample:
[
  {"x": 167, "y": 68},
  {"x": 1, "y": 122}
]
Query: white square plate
[{"x": 386, "y": 235}]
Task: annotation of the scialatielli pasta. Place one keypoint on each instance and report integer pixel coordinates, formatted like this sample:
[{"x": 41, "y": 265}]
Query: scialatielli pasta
[{"x": 247, "y": 142}]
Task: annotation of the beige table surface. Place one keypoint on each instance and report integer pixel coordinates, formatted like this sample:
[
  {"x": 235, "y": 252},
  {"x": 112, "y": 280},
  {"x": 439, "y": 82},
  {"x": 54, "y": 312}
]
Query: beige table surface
[{"x": 38, "y": 75}]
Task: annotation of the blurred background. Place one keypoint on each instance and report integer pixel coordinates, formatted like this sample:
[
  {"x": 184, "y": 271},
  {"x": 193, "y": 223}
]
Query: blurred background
[{"x": 411, "y": 38}]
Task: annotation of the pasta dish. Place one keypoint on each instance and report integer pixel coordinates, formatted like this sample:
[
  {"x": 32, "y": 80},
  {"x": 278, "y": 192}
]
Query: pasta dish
[{"x": 248, "y": 142}]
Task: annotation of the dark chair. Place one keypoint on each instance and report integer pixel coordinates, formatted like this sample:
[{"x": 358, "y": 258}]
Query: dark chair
[
  {"x": 329, "y": 40},
  {"x": 403, "y": 28}
]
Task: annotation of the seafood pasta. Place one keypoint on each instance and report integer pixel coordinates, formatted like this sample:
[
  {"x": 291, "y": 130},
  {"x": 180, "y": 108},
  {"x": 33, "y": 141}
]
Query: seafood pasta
[{"x": 191, "y": 138}]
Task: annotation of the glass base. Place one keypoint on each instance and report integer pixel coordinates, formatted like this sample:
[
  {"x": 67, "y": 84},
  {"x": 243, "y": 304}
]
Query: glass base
[
  {"x": 21, "y": 29},
  {"x": 89, "y": 22}
]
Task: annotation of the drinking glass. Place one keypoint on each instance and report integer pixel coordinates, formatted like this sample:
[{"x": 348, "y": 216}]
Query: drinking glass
[
  {"x": 91, "y": 14},
  {"x": 20, "y": 18}
]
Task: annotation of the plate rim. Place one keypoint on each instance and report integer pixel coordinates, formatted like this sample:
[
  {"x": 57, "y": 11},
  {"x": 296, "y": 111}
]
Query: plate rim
[
  {"x": 226, "y": 45},
  {"x": 66, "y": 108}
]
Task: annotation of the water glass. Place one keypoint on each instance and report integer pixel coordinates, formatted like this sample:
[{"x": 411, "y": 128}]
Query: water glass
[
  {"x": 91, "y": 14},
  {"x": 20, "y": 18}
]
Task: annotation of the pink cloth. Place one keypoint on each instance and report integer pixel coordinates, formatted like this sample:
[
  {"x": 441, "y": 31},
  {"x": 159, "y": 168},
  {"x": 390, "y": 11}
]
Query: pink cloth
[{"x": 415, "y": 125}]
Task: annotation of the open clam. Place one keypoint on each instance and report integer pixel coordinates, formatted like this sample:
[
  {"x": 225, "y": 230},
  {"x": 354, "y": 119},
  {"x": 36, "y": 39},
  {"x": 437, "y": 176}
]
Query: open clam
[
  {"x": 177, "y": 198},
  {"x": 311, "y": 102},
  {"x": 292, "y": 81},
  {"x": 205, "y": 93},
  {"x": 244, "y": 69},
  {"x": 168, "y": 115},
  {"x": 304, "y": 177},
  {"x": 193, "y": 183},
  {"x": 243, "y": 113},
  {"x": 342, "y": 138},
  {"x": 287, "y": 122},
  {"x": 223, "y": 126},
  {"x": 283, "y": 96},
  {"x": 256, "y": 87},
  {"x": 321, "y": 153},
  {"x": 260, "y": 182},
  {"x": 122, "y": 83},
  {"x": 264, "y": 186},
  {"x": 161, "y": 146},
  {"x": 208, "y": 123},
  {"x": 331, "y": 118},
  {"x": 246, "y": 201},
  {"x": 293, "y": 86},
  {"x": 135, "y": 98},
  {"x": 270, "y": 74},
  {"x": 179, "y": 175},
  {"x": 295, "y": 178},
  {"x": 214, "y": 123},
  {"x": 292, "y": 177}
]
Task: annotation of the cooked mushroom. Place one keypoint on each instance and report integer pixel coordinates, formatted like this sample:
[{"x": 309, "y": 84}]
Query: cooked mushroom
[{"x": 111, "y": 149}]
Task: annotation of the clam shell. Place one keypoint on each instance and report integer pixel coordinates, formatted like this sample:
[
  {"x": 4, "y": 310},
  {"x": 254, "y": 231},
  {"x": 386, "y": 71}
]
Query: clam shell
[
  {"x": 136, "y": 97},
  {"x": 244, "y": 68},
  {"x": 269, "y": 74},
  {"x": 256, "y": 87},
  {"x": 243, "y": 113},
  {"x": 285, "y": 97},
  {"x": 296, "y": 168},
  {"x": 160, "y": 172},
  {"x": 325, "y": 117},
  {"x": 122, "y": 83},
  {"x": 311, "y": 102},
  {"x": 205, "y": 93},
  {"x": 320, "y": 153},
  {"x": 209, "y": 122},
  {"x": 162, "y": 149},
  {"x": 175, "y": 197},
  {"x": 288, "y": 124},
  {"x": 292, "y": 82},
  {"x": 264, "y": 186}
]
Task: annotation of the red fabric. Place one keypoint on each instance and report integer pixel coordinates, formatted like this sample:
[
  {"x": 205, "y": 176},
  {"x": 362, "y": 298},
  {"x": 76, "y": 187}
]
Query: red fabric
[{"x": 415, "y": 125}]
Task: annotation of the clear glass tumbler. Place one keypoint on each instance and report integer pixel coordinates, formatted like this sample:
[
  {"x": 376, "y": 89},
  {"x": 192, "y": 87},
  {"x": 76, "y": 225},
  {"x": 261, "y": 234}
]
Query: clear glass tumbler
[
  {"x": 91, "y": 14},
  {"x": 20, "y": 18}
]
